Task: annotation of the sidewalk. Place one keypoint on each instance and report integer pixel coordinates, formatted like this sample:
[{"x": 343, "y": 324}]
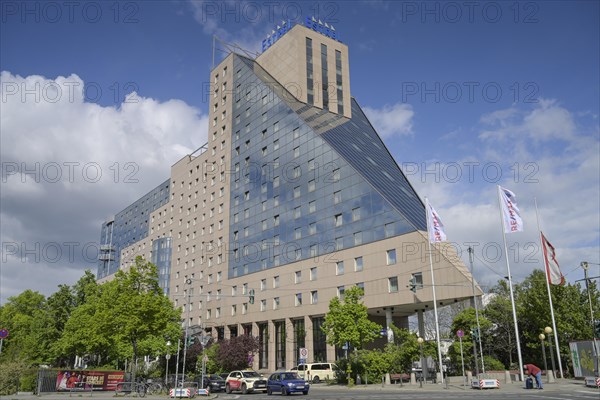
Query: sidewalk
[{"x": 562, "y": 385}]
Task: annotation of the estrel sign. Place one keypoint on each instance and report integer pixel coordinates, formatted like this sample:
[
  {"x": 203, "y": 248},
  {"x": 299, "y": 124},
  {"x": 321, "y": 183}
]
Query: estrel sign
[
  {"x": 322, "y": 28},
  {"x": 276, "y": 34}
]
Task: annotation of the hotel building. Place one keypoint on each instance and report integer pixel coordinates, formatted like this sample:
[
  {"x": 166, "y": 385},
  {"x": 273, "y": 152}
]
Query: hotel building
[{"x": 293, "y": 199}]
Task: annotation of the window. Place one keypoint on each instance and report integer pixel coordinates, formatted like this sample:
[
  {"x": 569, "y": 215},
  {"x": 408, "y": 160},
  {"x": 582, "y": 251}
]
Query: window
[
  {"x": 275, "y": 303},
  {"x": 297, "y": 212},
  {"x": 338, "y": 219},
  {"x": 263, "y": 284},
  {"x": 337, "y": 197},
  {"x": 314, "y": 297},
  {"x": 296, "y": 152},
  {"x": 357, "y": 238},
  {"x": 297, "y": 276},
  {"x": 358, "y": 264},
  {"x": 391, "y": 256},
  {"x": 340, "y": 292},
  {"x": 339, "y": 243},
  {"x": 298, "y": 233},
  {"x": 418, "y": 279},
  {"x": 276, "y": 281},
  {"x": 393, "y": 284},
  {"x": 311, "y": 185},
  {"x": 339, "y": 268},
  {"x": 389, "y": 229},
  {"x": 298, "y": 299},
  {"x": 263, "y": 305},
  {"x": 233, "y": 310},
  {"x": 312, "y": 206},
  {"x": 297, "y": 192},
  {"x": 313, "y": 274},
  {"x": 276, "y": 220},
  {"x": 312, "y": 228},
  {"x": 356, "y": 214}
]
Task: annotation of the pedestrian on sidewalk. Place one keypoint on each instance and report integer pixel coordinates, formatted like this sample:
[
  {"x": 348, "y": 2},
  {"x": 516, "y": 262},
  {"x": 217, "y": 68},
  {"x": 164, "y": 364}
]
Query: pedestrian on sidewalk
[{"x": 531, "y": 369}]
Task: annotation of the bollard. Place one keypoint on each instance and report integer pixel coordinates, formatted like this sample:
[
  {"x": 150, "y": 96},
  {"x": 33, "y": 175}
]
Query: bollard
[
  {"x": 388, "y": 381},
  {"x": 507, "y": 379},
  {"x": 413, "y": 379}
]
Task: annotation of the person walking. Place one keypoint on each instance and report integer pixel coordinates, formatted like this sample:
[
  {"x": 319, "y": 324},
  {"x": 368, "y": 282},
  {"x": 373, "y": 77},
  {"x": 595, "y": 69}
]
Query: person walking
[{"x": 531, "y": 369}]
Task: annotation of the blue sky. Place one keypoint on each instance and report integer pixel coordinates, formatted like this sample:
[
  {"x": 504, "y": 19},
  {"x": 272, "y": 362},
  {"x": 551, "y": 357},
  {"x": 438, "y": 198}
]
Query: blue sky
[{"x": 476, "y": 94}]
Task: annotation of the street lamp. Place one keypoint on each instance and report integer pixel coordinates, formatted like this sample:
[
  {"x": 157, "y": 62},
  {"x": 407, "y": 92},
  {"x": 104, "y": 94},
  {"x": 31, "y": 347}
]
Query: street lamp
[
  {"x": 542, "y": 337},
  {"x": 548, "y": 331},
  {"x": 167, "y": 356},
  {"x": 420, "y": 341}
]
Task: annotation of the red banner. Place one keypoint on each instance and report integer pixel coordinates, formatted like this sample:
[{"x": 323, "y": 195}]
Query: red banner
[{"x": 88, "y": 380}]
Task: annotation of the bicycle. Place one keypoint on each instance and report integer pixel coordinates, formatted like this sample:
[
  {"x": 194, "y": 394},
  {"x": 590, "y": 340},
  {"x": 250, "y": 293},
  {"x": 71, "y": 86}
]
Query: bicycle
[{"x": 131, "y": 387}]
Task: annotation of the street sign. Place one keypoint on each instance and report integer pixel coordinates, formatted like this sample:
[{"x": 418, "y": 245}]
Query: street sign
[
  {"x": 3, "y": 333},
  {"x": 303, "y": 353},
  {"x": 302, "y": 361},
  {"x": 460, "y": 333},
  {"x": 383, "y": 332}
]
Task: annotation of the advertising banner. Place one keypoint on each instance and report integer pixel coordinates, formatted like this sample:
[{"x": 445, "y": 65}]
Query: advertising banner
[{"x": 88, "y": 380}]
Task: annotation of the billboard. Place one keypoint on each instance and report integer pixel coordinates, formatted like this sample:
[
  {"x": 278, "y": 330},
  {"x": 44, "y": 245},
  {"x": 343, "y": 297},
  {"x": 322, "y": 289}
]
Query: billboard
[
  {"x": 88, "y": 380},
  {"x": 585, "y": 358}
]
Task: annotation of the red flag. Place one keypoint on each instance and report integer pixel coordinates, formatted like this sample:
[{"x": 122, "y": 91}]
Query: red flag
[{"x": 555, "y": 277}]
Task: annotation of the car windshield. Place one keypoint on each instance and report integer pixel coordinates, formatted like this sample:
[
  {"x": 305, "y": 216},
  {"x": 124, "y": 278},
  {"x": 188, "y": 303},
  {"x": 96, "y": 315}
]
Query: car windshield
[
  {"x": 251, "y": 374},
  {"x": 290, "y": 376},
  {"x": 216, "y": 377}
]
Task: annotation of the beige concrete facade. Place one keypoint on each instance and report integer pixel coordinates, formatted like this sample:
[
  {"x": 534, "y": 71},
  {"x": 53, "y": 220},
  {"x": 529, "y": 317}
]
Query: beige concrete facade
[
  {"x": 197, "y": 220},
  {"x": 286, "y": 61}
]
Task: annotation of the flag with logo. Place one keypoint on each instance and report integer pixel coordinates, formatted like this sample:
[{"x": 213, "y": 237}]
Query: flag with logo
[
  {"x": 555, "y": 277},
  {"x": 434, "y": 226},
  {"x": 510, "y": 211}
]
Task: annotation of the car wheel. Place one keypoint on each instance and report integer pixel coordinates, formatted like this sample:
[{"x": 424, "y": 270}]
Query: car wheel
[
  {"x": 227, "y": 389},
  {"x": 284, "y": 391},
  {"x": 244, "y": 389},
  {"x": 316, "y": 379},
  {"x": 305, "y": 392},
  {"x": 269, "y": 391}
]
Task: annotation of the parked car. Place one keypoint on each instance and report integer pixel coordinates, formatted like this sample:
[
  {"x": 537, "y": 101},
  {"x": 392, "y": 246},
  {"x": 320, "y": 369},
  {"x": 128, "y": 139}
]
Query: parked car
[
  {"x": 246, "y": 381},
  {"x": 212, "y": 382},
  {"x": 315, "y": 372},
  {"x": 286, "y": 383}
]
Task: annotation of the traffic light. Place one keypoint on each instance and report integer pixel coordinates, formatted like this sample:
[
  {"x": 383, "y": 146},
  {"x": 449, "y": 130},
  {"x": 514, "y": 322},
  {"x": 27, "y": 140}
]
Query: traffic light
[
  {"x": 475, "y": 333},
  {"x": 251, "y": 297},
  {"x": 412, "y": 284},
  {"x": 190, "y": 341}
]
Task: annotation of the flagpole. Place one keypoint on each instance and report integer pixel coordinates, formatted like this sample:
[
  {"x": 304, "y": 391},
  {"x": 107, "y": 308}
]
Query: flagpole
[
  {"x": 537, "y": 217},
  {"x": 470, "y": 250},
  {"x": 512, "y": 296},
  {"x": 435, "y": 312}
]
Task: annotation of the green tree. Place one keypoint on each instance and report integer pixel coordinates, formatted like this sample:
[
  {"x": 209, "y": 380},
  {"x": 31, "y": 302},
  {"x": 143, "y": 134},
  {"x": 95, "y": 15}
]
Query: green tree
[
  {"x": 347, "y": 322},
  {"x": 26, "y": 319},
  {"x": 467, "y": 322},
  {"x": 500, "y": 339},
  {"x": 123, "y": 318}
]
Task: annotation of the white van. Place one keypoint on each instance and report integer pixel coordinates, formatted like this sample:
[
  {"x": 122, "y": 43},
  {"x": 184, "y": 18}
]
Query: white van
[{"x": 316, "y": 372}]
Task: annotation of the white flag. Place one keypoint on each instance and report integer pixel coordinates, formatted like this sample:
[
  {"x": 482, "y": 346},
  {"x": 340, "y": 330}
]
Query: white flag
[
  {"x": 512, "y": 215},
  {"x": 555, "y": 277},
  {"x": 435, "y": 226}
]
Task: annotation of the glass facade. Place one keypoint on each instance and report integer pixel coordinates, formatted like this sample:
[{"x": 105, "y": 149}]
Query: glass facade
[
  {"x": 296, "y": 193},
  {"x": 338, "y": 81},
  {"x": 161, "y": 257},
  {"x": 128, "y": 227},
  {"x": 324, "y": 77}
]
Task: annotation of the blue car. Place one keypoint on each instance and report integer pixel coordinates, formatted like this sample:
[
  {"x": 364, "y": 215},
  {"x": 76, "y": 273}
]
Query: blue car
[{"x": 286, "y": 383}]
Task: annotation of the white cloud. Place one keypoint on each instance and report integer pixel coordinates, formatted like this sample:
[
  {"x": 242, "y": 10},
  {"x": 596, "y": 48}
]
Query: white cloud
[
  {"x": 547, "y": 121},
  {"x": 551, "y": 157},
  {"x": 67, "y": 164},
  {"x": 396, "y": 119}
]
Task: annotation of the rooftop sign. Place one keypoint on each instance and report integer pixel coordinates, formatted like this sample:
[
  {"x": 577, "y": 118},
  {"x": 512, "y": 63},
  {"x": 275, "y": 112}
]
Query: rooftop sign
[
  {"x": 310, "y": 23},
  {"x": 276, "y": 34},
  {"x": 322, "y": 28}
]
